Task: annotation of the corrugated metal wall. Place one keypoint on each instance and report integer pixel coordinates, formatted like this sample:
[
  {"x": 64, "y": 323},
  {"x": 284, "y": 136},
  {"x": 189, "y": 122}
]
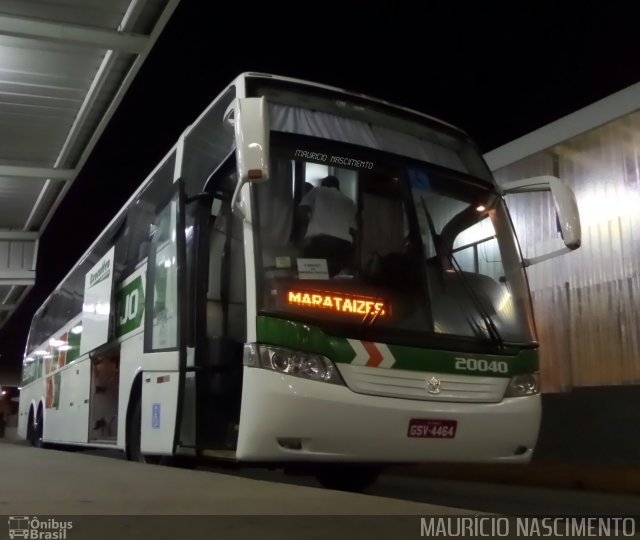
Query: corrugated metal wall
[{"x": 587, "y": 302}]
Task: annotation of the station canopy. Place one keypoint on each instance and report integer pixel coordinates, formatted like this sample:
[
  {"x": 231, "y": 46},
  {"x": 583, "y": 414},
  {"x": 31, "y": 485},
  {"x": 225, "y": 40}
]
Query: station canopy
[{"x": 64, "y": 68}]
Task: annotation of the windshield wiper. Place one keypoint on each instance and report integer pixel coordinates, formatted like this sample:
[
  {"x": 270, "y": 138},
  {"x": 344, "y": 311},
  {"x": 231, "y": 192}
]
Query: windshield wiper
[{"x": 490, "y": 326}]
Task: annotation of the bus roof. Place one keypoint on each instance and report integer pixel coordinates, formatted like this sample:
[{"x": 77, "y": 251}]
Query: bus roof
[{"x": 239, "y": 80}]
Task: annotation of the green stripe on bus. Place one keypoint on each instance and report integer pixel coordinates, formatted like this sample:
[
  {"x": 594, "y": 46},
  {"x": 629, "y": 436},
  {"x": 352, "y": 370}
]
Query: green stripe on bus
[
  {"x": 415, "y": 359},
  {"x": 309, "y": 338},
  {"x": 303, "y": 337}
]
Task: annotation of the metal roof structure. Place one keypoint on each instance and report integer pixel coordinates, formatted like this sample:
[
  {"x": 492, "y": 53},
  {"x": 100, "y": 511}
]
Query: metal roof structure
[
  {"x": 592, "y": 116},
  {"x": 64, "y": 67}
]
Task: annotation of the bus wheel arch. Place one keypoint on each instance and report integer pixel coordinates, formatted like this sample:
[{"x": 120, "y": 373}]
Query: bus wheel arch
[
  {"x": 133, "y": 432},
  {"x": 30, "y": 427},
  {"x": 38, "y": 427},
  {"x": 135, "y": 396},
  {"x": 347, "y": 476}
]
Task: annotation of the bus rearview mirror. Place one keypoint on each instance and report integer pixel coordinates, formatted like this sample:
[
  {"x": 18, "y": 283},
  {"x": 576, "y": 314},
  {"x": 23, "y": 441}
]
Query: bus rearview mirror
[
  {"x": 568, "y": 215},
  {"x": 250, "y": 122}
]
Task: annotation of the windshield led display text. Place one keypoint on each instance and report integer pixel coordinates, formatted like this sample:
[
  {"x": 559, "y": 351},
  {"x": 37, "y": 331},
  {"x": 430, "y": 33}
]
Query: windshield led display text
[{"x": 337, "y": 302}]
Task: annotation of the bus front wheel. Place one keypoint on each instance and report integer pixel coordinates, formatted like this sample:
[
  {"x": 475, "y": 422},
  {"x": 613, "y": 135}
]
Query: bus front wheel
[
  {"x": 347, "y": 477},
  {"x": 37, "y": 430},
  {"x": 134, "y": 453}
]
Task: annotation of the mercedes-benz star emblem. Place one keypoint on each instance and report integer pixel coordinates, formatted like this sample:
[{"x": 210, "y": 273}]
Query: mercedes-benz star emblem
[{"x": 433, "y": 386}]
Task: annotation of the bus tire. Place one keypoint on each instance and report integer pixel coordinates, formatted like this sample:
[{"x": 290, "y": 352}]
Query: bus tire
[
  {"x": 30, "y": 427},
  {"x": 134, "y": 453},
  {"x": 355, "y": 478},
  {"x": 38, "y": 430}
]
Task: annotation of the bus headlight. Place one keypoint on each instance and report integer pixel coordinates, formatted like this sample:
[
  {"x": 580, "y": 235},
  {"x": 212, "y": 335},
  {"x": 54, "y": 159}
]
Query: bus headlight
[
  {"x": 300, "y": 364},
  {"x": 523, "y": 385}
]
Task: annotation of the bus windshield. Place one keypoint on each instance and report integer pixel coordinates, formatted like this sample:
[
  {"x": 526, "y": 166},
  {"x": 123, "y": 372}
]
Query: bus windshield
[{"x": 355, "y": 239}]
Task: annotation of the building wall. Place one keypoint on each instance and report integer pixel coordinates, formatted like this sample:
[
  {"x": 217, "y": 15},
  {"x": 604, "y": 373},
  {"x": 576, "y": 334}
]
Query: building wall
[{"x": 587, "y": 302}]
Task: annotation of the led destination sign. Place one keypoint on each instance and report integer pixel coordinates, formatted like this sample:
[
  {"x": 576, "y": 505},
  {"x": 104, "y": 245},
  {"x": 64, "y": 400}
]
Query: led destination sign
[{"x": 339, "y": 303}]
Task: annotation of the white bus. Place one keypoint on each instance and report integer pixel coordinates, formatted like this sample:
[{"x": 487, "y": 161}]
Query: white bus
[{"x": 208, "y": 320}]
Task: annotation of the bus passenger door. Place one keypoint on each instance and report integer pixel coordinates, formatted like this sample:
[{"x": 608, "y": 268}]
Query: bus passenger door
[
  {"x": 222, "y": 332},
  {"x": 164, "y": 332}
]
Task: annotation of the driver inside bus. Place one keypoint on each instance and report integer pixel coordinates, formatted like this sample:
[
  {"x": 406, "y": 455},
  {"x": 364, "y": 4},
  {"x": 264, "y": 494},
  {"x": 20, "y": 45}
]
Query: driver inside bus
[{"x": 330, "y": 219}]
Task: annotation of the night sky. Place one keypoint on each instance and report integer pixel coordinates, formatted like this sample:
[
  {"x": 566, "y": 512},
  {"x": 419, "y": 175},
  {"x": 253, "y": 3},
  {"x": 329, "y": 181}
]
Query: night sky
[{"x": 496, "y": 73}]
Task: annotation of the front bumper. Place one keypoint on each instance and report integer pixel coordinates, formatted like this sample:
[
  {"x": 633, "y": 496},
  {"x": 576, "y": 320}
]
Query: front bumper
[{"x": 333, "y": 423}]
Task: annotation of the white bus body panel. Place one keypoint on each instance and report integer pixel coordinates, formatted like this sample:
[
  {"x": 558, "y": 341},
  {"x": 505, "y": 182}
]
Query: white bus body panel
[
  {"x": 70, "y": 423},
  {"x": 159, "y": 408},
  {"x": 334, "y": 423},
  {"x": 55, "y": 422}
]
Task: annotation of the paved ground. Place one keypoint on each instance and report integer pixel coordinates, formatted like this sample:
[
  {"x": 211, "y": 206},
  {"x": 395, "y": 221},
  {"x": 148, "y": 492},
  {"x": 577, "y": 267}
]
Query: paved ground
[
  {"x": 37, "y": 481},
  {"x": 613, "y": 478},
  {"x": 103, "y": 496}
]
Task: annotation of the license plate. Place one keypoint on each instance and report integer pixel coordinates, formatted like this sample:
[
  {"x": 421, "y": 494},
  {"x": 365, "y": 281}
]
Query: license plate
[{"x": 434, "y": 429}]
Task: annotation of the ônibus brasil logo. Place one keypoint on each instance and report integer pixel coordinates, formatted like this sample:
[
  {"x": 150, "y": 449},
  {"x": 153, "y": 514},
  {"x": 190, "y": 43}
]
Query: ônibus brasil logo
[{"x": 38, "y": 529}]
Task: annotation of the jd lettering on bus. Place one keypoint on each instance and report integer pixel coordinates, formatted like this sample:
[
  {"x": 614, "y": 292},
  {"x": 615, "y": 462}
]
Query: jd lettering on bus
[{"x": 130, "y": 307}]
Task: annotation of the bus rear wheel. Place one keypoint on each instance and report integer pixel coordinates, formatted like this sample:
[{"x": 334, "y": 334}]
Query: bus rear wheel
[
  {"x": 37, "y": 430},
  {"x": 347, "y": 477}
]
